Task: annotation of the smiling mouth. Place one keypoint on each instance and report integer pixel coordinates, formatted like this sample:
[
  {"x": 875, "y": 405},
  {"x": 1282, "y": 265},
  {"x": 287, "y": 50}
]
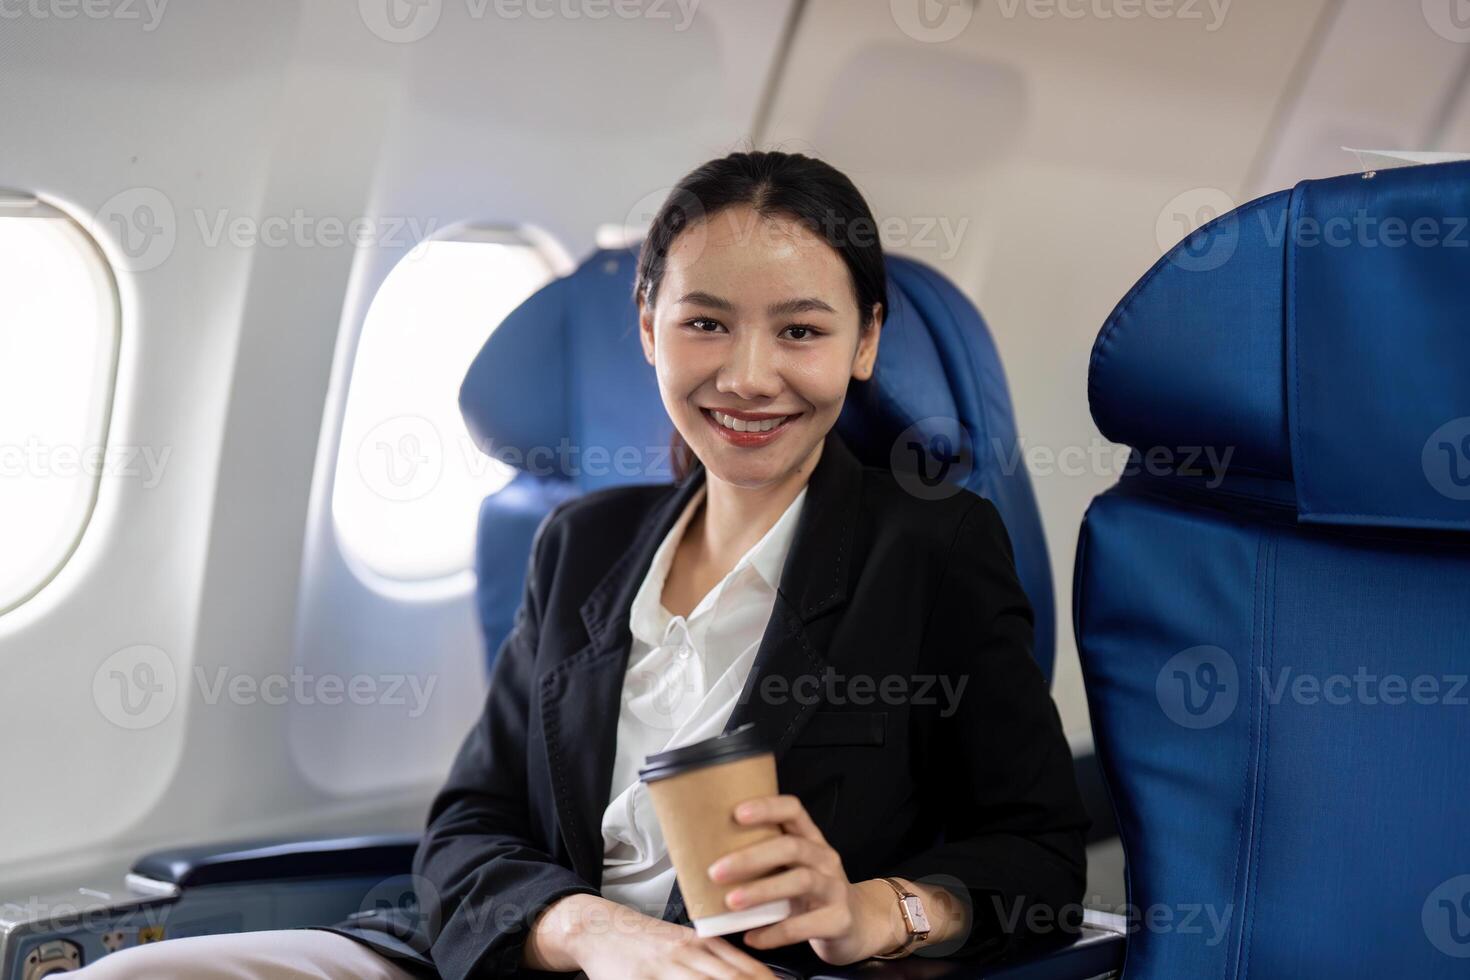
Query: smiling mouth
[
  {"x": 753, "y": 426},
  {"x": 755, "y": 433}
]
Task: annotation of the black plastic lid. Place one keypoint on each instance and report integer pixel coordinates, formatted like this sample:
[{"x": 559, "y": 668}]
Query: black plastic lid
[{"x": 726, "y": 747}]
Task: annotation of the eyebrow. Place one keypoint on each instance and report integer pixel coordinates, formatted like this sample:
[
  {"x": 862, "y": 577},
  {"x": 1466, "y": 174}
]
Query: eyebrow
[{"x": 787, "y": 307}]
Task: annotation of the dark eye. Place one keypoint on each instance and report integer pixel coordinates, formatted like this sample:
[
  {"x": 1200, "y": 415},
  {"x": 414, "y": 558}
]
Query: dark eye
[
  {"x": 806, "y": 332},
  {"x": 701, "y": 324}
]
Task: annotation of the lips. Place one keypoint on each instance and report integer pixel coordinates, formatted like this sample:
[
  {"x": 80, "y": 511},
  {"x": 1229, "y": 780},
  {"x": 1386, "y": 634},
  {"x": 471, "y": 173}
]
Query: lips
[
  {"x": 746, "y": 431},
  {"x": 746, "y": 421}
]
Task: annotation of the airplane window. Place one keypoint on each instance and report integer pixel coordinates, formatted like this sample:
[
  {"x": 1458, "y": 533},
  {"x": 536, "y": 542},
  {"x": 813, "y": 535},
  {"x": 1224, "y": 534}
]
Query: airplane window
[
  {"x": 59, "y": 314},
  {"x": 409, "y": 479}
]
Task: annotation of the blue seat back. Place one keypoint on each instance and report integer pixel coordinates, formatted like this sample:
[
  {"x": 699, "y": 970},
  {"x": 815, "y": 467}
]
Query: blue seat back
[
  {"x": 561, "y": 389},
  {"x": 1273, "y": 605}
]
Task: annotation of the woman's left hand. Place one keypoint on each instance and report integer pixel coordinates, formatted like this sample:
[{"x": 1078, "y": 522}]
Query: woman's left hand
[{"x": 842, "y": 921}]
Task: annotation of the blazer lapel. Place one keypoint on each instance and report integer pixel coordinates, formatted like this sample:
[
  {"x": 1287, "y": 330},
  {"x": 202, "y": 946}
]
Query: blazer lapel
[{"x": 581, "y": 696}]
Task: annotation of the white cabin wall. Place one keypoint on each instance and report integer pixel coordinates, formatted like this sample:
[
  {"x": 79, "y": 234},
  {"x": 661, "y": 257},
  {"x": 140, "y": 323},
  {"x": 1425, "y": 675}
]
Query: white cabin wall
[{"x": 1379, "y": 78}]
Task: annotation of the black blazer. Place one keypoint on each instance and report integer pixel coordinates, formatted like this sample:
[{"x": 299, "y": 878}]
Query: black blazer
[{"x": 884, "y": 599}]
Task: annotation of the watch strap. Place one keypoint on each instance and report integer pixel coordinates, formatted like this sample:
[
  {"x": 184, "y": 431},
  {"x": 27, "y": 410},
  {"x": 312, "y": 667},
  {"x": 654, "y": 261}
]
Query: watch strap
[{"x": 904, "y": 948}]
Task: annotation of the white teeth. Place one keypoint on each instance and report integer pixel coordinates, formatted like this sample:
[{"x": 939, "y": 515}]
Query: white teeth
[{"x": 740, "y": 425}]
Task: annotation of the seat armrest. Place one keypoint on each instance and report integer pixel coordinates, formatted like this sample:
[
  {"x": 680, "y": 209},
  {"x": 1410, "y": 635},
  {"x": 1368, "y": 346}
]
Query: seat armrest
[
  {"x": 237, "y": 862},
  {"x": 1096, "y": 953}
]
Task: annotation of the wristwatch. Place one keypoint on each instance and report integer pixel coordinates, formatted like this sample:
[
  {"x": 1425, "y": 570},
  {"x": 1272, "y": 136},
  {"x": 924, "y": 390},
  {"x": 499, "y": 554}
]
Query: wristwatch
[{"x": 911, "y": 907}]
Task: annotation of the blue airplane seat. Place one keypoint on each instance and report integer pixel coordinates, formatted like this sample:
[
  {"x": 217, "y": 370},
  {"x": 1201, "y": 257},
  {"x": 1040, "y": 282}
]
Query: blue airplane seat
[
  {"x": 938, "y": 410},
  {"x": 1273, "y": 604},
  {"x": 562, "y": 391}
]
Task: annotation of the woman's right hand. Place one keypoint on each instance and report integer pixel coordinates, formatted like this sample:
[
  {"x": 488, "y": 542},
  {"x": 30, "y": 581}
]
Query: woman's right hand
[{"x": 634, "y": 946}]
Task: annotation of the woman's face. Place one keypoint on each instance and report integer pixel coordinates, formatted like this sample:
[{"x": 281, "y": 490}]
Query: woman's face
[{"x": 756, "y": 321}]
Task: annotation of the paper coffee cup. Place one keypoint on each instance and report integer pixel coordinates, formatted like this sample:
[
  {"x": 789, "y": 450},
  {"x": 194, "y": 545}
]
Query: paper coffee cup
[{"x": 695, "y": 789}]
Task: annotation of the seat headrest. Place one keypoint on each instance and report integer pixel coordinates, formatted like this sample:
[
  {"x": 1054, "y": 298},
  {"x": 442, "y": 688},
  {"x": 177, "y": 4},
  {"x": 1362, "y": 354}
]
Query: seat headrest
[
  {"x": 561, "y": 388},
  {"x": 1319, "y": 336}
]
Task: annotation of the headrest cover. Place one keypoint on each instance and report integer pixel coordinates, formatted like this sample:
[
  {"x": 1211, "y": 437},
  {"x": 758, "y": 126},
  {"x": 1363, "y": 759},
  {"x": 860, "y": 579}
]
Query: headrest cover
[
  {"x": 1317, "y": 336},
  {"x": 1378, "y": 348}
]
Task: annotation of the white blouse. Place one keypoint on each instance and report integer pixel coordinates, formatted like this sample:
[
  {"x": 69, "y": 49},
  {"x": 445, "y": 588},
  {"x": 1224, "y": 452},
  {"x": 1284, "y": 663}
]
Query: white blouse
[{"x": 684, "y": 677}]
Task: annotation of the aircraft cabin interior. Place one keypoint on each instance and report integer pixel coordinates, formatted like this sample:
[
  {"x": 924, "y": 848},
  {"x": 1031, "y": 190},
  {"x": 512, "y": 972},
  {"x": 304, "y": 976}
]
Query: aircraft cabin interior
[{"x": 1036, "y": 432}]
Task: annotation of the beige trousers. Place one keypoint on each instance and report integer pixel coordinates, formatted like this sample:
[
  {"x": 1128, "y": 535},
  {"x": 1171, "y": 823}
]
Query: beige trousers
[{"x": 278, "y": 954}]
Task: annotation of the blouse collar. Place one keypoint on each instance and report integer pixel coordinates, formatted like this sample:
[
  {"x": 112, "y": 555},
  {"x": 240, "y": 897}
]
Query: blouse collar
[{"x": 648, "y": 619}]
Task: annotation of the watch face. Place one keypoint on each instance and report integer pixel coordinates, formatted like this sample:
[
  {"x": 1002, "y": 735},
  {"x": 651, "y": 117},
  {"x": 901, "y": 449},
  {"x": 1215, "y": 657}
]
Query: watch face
[{"x": 915, "y": 909}]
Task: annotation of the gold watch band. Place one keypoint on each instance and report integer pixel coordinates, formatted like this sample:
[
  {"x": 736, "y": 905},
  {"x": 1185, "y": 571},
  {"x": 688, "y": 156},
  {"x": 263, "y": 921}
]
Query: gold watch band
[{"x": 907, "y": 946}]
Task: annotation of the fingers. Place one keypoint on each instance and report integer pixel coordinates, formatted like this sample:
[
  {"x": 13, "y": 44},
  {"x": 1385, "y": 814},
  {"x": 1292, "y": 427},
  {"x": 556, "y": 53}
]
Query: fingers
[
  {"x": 718, "y": 960},
  {"x": 826, "y": 922},
  {"x": 785, "y": 809},
  {"x": 700, "y": 962},
  {"x": 798, "y": 882},
  {"x": 747, "y": 964},
  {"x": 766, "y": 856}
]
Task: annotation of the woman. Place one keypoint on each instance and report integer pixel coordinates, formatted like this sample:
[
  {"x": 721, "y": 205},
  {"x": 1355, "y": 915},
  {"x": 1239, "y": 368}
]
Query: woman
[{"x": 881, "y": 642}]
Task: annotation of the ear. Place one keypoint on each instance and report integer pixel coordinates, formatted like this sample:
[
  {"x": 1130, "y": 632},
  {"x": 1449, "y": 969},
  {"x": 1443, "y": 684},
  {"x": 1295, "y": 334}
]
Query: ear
[
  {"x": 645, "y": 329},
  {"x": 867, "y": 352}
]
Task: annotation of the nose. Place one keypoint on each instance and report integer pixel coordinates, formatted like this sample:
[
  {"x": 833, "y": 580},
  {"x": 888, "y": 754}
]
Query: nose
[{"x": 750, "y": 372}]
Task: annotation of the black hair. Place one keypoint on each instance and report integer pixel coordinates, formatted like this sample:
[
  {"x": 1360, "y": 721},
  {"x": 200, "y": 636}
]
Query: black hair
[{"x": 802, "y": 188}]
